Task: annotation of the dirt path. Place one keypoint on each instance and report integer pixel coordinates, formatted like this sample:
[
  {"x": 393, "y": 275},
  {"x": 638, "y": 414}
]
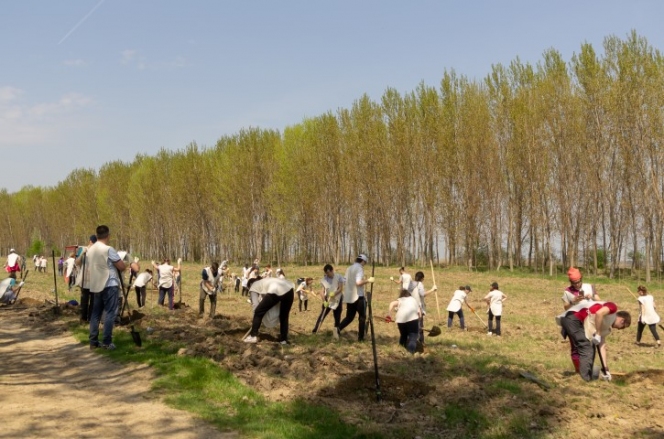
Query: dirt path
[{"x": 52, "y": 386}]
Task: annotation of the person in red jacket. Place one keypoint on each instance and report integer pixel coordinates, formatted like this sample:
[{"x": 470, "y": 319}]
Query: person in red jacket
[{"x": 587, "y": 325}]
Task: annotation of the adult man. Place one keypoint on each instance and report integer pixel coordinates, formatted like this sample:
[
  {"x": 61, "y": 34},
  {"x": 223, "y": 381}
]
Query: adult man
[
  {"x": 86, "y": 297},
  {"x": 209, "y": 282},
  {"x": 587, "y": 325},
  {"x": 354, "y": 296},
  {"x": 272, "y": 291},
  {"x": 105, "y": 265},
  {"x": 13, "y": 264},
  {"x": 577, "y": 293},
  {"x": 9, "y": 289}
]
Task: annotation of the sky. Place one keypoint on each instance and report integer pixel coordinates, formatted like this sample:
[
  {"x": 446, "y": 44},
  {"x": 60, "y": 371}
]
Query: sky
[{"x": 86, "y": 82}]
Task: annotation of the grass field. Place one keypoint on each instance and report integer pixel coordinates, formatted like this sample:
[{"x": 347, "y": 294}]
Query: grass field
[{"x": 466, "y": 384}]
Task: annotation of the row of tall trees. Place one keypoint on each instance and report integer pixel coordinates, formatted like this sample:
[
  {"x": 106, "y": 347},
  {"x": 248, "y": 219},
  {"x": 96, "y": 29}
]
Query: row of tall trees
[{"x": 558, "y": 162}]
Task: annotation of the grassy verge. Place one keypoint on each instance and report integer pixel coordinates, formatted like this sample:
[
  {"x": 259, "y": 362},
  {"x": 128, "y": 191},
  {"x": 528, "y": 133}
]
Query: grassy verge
[{"x": 201, "y": 387}]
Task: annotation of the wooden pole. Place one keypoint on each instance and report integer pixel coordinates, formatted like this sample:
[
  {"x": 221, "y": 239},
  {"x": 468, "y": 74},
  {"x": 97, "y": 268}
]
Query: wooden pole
[{"x": 433, "y": 278}]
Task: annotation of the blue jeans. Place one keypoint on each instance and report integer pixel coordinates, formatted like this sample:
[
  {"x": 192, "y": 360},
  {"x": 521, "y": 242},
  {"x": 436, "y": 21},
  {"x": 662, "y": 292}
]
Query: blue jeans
[{"x": 105, "y": 301}]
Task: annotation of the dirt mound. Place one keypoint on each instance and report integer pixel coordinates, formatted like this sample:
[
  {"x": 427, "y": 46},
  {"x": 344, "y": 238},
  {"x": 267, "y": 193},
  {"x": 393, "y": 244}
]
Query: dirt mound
[{"x": 363, "y": 386}]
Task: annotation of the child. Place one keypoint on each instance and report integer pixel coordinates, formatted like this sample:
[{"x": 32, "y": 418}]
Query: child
[
  {"x": 495, "y": 300},
  {"x": 647, "y": 315},
  {"x": 456, "y": 305},
  {"x": 407, "y": 318},
  {"x": 303, "y": 293}
]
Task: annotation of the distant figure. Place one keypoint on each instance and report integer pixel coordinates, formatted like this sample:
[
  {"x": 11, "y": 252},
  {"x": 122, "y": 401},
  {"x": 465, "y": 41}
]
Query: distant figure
[{"x": 13, "y": 264}]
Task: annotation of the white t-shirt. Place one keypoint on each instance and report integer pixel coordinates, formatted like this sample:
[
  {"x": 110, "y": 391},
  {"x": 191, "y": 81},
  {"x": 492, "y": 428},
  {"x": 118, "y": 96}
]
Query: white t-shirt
[
  {"x": 495, "y": 298},
  {"x": 271, "y": 285},
  {"x": 142, "y": 279},
  {"x": 302, "y": 291},
  {"x": 418, "y": 294},
  {"x": 42, "y": 263},
  {"x": 648, "y": 314},
  {"x": 457, "y": 301},
  {"x": 405, "y": 280},
  {"x": 407, "y": 311},
  {"x": 165, "y": 275},
  {"x": 69, "y": 266},
  {"x": 331, "y": 285},
  {"x": 354, "y": 274}
]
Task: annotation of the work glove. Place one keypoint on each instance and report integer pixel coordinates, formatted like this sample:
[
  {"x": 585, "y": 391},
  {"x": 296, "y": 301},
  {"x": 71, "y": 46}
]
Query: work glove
[
  {"x": 21, "y": 284},
  {"x": 371, "y": 280},
  {"x": 332, "y": 294},
  {"x": 388, "y": 319},
  {"x": 391, "y": 277},
  {"x": 435, "y": 288},
  {"x": 136, "y": 259},
  {"x": 153, "y": 263},
  {"x": 179, "y": 261},
  {"x": 597, "y": 339},
  {"x": 326, "y": 303},
  {"x": 606, "y": 376}
]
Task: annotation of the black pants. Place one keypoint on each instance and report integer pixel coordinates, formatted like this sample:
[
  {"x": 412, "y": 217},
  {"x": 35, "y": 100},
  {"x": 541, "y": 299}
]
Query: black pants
[
  {"x": 450, "y": 317},
  {"x": 269, "y": 300},
  {"x": 358, "y": 307},
  {"x": 409, "y": 333},
  {"x": 491, "y": 316},
  {"x": 86, "y": 304},
  {"x": 641, "y": 326},
  {"x": 336, "y": 313},
  {"x": 141, "y": 294},
  {"x": 577, "y": 335}
]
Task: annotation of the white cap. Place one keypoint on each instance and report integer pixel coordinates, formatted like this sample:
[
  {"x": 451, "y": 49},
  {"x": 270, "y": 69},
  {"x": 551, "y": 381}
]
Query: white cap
[
  {"x": 364, "y": 257},
  {"x": 12, "y": 251}
]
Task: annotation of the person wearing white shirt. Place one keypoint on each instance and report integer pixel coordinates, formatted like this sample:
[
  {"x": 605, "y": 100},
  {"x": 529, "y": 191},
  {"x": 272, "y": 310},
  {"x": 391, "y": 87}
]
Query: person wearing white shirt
[
  {"x": 404, "y": 279},
  {"x": 167, "y": 274},
  {"x": 273, "y": 291},
  {"x": 408, "y": 314},
  {"x": 419, "y": 293},
  {"x": 331, "y": 295},
  {"x": 140, "y": 286},
  {"x": 647, "y": 315},
  {"x": 495, "y": 300},
  {"x": 354, "y": 296},
  {"x": 456, "y": 306}
]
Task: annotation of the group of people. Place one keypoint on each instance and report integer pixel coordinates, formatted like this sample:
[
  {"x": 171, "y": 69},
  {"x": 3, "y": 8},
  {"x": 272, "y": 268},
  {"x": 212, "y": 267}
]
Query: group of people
[
  {"x": 40, "y": 263},
  {"x": 586, "y": 320}
]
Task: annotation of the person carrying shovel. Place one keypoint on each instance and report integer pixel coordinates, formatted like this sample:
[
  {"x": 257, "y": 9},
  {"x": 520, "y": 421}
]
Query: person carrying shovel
[
  {"x": 588, "y": 324},
  {"x": 331, "y": 294},
  {"x": 456, "y": 306},
  {"x": 577, "y": 293}
]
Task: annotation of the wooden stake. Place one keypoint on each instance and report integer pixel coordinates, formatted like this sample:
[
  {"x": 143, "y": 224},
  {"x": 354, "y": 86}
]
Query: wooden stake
[{"x": 433, "y": 278}]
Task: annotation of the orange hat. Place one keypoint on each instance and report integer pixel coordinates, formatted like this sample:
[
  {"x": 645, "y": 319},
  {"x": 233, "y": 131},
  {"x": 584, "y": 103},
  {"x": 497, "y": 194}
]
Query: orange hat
[{"x": 574, "y": 274}]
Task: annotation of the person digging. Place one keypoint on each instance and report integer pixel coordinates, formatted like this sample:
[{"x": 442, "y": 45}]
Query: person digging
[{"x": 587, "y": 325}]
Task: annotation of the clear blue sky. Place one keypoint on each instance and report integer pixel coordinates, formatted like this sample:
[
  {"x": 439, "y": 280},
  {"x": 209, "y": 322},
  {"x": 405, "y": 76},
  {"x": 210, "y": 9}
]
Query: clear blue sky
[{"x": 84, "y": 82}]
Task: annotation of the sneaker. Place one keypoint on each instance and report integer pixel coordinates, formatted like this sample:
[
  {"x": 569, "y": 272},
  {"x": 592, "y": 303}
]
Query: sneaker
[
  {"x": 248, "y": 300},
  {"x": 335, "y": 333},
  {"x": 251, "y": 339},
  {"x": 109, "y": 347},
  {"x": 284, "y": 342},
  {"x": 489, "y": 333},
  {"x": 94, "y": 346}
]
